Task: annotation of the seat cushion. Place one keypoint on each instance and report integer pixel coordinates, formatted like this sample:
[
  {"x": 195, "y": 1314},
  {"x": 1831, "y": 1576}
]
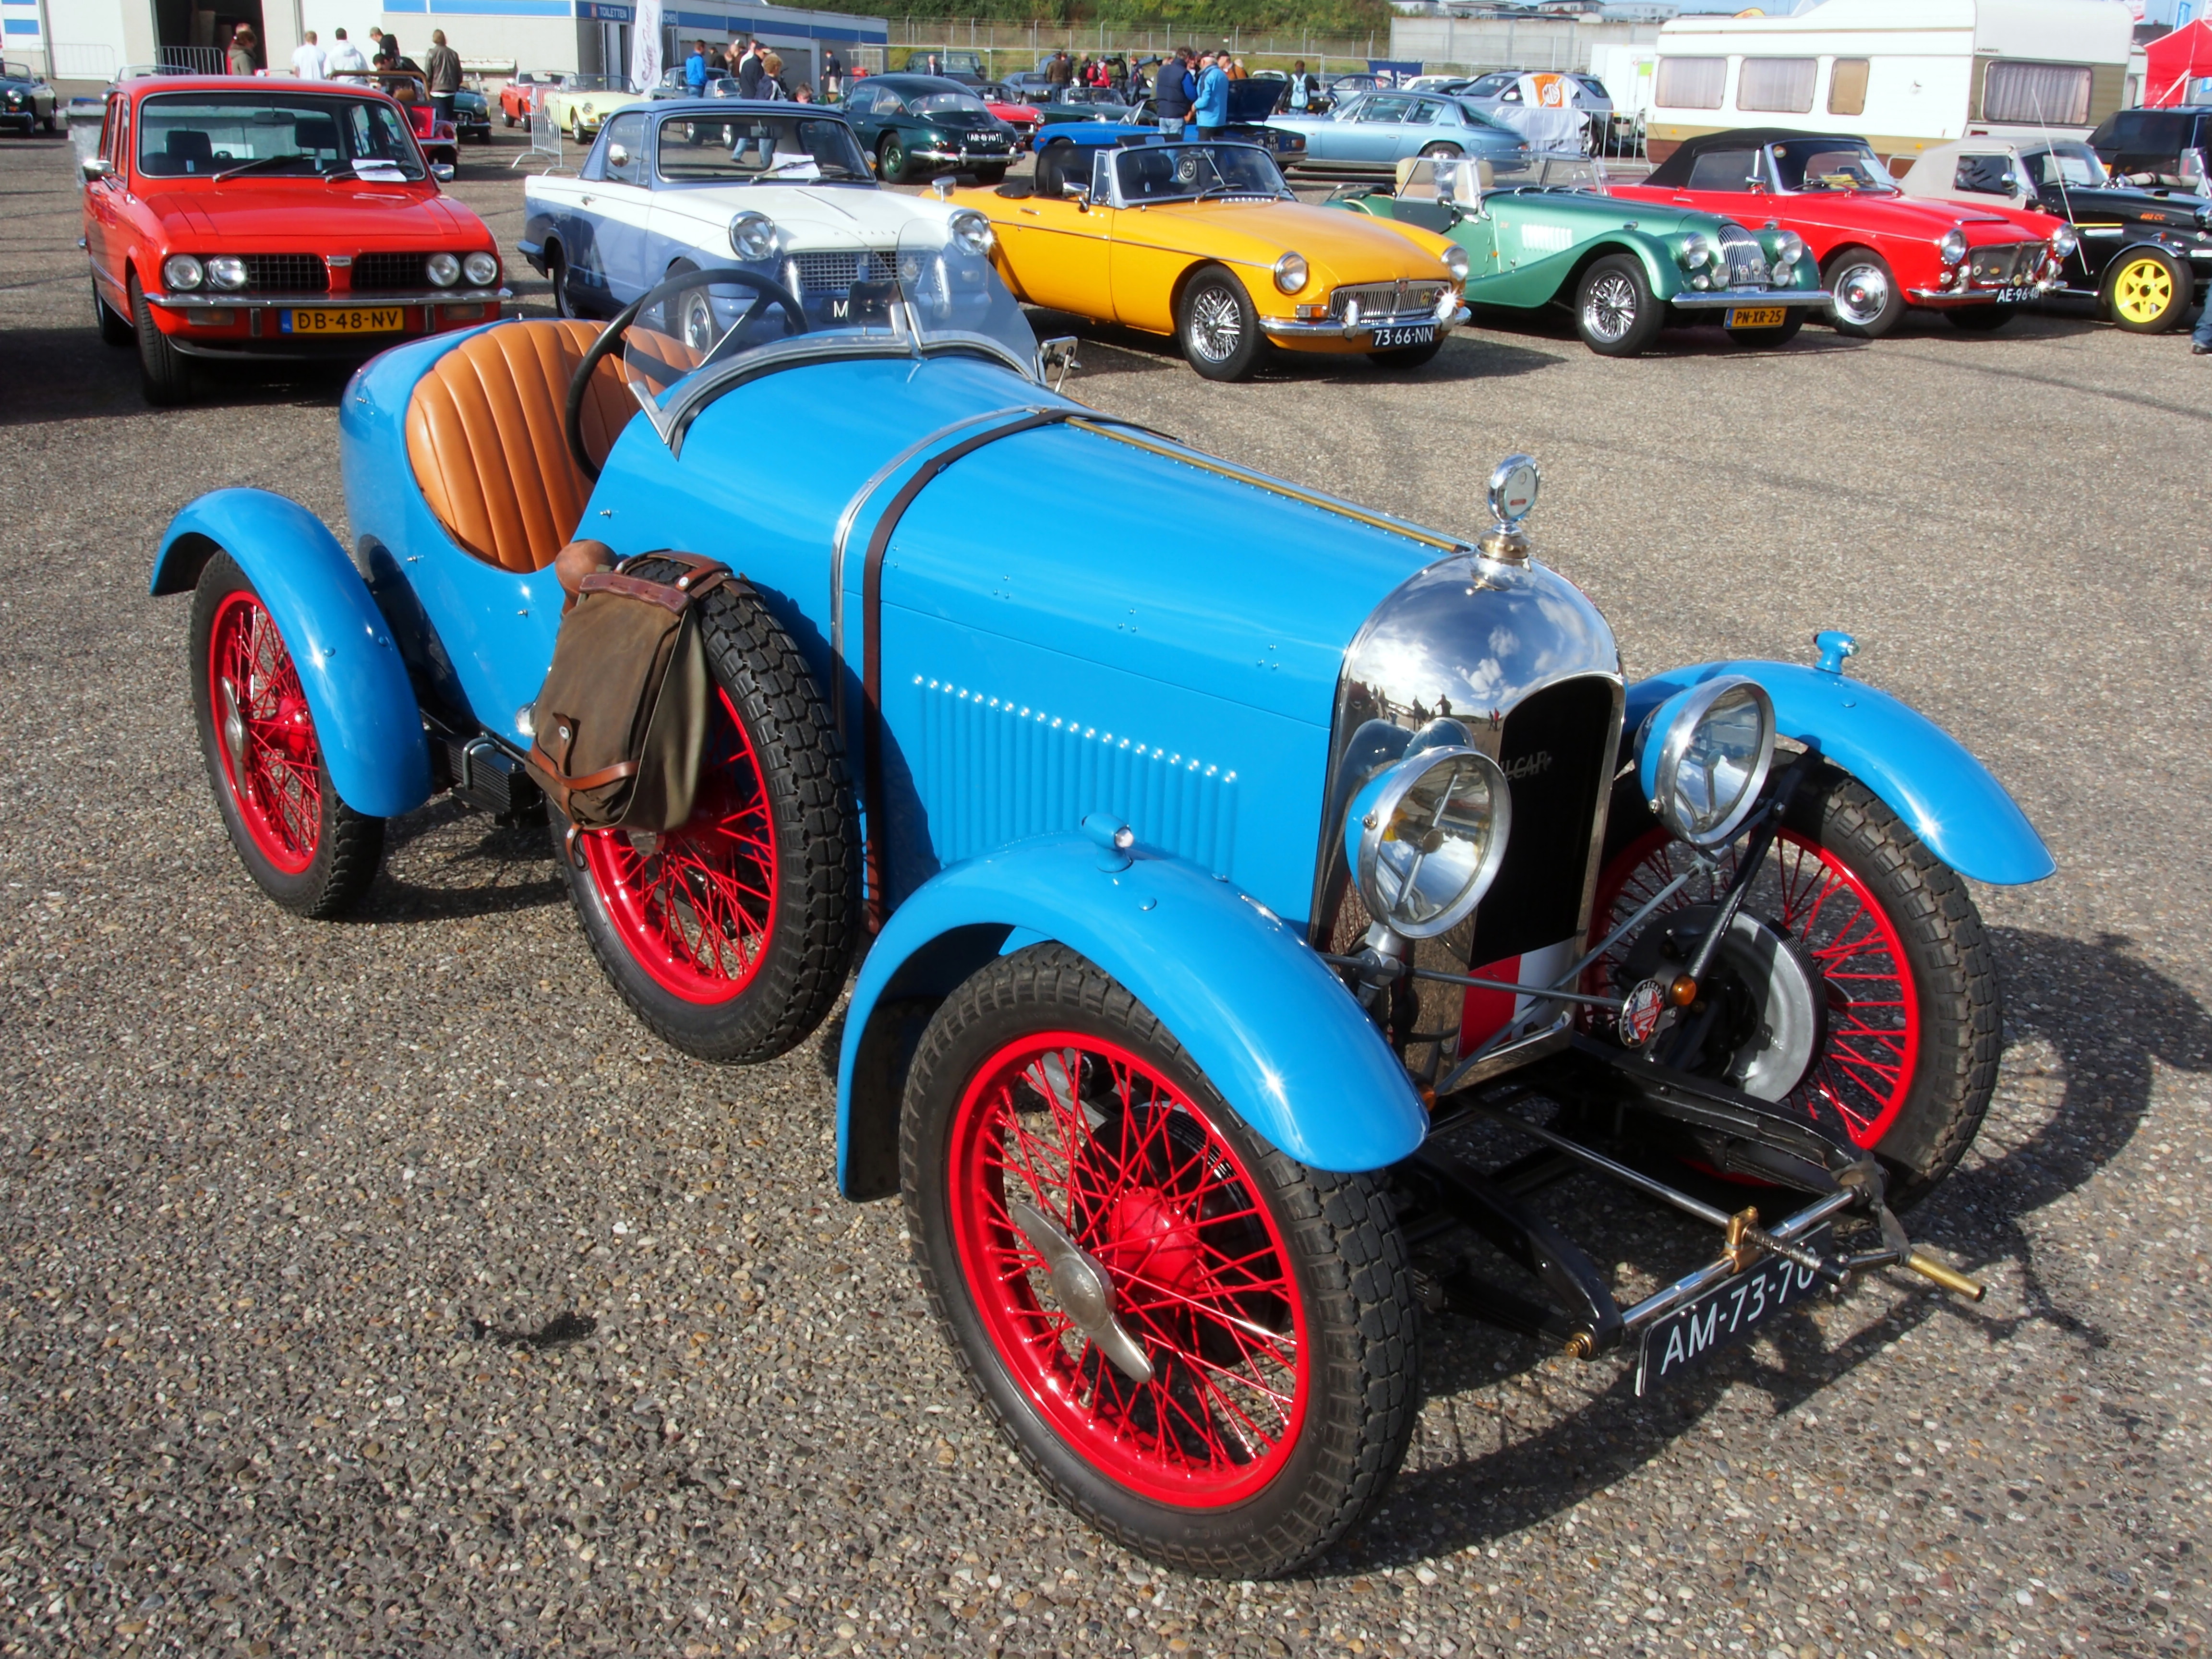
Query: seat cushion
[{"x": 486, "y": 438}]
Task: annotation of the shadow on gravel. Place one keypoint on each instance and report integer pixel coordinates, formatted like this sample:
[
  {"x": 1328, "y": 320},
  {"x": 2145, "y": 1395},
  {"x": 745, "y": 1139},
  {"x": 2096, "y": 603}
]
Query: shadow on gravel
[
  {"x": 1465, "y": 357},
  {"x": 2108, "y": 1016},
  {"x": 466, "y": 865},
  {"x": 66, "y": 375}
]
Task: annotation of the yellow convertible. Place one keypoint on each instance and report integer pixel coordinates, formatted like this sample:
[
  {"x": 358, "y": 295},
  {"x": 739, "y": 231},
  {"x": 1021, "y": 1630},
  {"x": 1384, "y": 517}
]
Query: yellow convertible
[{"x": 1204, "y": 241}]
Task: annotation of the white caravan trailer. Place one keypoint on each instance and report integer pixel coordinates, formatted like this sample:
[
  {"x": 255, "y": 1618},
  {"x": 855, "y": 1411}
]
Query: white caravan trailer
[{"x": 1903, "y": 74}]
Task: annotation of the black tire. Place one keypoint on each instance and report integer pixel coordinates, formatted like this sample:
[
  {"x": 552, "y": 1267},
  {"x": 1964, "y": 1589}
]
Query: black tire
[
  {"x": 556, "y": 273},
  {"x": 1615, "y": 310},
  {"x": 576, "y": 127},
  {"x": 2145, "y": 291},
  {"x": 1954, "y": 974},
  {"x": 1769, "y": 338},
  {"x": 507, "y": 117},
  {"x": 113, "y": 330},
  {"x": 348, "y": 845},
  {"x": 801, "y": 962},
  {"x": 1218, "y": 326},
  {"x": 165, "y": 373},
  {"x": 891, "y": 163},
  {"x": 1406, "y": 358},
  {"x": 1981, "y": 319},
  {"x": 1869, "y": 300},
  {"x": 1441, "y": 152},
  {"x": 1340, "y": 1252}
]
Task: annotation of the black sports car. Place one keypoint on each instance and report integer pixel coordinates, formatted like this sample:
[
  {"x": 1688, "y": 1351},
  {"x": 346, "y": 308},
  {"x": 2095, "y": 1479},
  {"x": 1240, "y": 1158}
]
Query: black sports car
[
  {"x": 26, "y": 102},
  {"x": 471, "y": 115},
  {"x": 919, "y": 126},
  {"x": 2168, "y": 146}
]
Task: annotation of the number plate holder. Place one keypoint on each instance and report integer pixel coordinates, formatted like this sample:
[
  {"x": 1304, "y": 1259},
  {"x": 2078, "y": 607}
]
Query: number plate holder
[
  {"x": 1402, "y": 334},
  {"x": 343, "y": 320},
  {"x": 1730, "y": 1312},
  {"x": 1758, "y": 316}
]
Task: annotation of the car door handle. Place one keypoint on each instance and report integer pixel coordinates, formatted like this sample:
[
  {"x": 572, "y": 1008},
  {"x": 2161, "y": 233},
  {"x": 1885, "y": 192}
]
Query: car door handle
[{"x": 1683, "y": 201}]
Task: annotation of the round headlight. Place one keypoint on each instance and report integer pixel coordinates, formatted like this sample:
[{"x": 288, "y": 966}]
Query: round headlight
[
  {"x": 2064, "y": 241},
  {"x": 752, "y": 236},
  {"x": 181, "y": 270},
  {"x": 482, "y": 269},
  {"x": 1953, "y": 246},
  {"x": 444, "y": 270},
  {"x": 1697, "y": 251},
  {"x": 587, "y": 109},
  {"x": 1291, "y": 272},
  {"x": 1704, "y": 756},
  {"x": 226, "y": 271},
  {"x": 970, "y": 230},
  {"x": 1790, "y": 249},
  {"x": 1425, "y": 838},
  {"x": 1454, "y": 258}
]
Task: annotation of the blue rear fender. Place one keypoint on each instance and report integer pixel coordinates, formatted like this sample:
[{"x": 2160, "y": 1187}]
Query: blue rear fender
[
  {"x": 365, "y": 712},
  {"x": 1921, "y": 771},
  {"x": 1274, "y": 1030}
]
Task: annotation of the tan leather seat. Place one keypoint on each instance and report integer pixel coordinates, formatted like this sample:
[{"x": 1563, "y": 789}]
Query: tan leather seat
[{"x": 485, "y": 435}]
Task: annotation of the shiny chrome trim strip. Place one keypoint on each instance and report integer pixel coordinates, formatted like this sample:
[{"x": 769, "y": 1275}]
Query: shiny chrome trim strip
[
  {"x": 1752, "y": 297},
  {"x": 1673, "y": 1296},
  {"x": 1320, "y": 329},
  {"x": 324, "y": 301}
]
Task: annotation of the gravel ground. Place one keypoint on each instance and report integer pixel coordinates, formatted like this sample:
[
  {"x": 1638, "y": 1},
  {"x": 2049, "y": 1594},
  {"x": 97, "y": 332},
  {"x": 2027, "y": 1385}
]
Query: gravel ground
[{"x": 382, "y": 1287}]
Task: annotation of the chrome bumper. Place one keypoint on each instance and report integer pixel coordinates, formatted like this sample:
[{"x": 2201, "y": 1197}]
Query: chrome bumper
[
  {"x": 1288, "y": 328},
  {"x": 1939, "y": 299},
  {"x": 1752, "y": 296},
  {"x": 455, "y": 296},
  {"x": 994, "y": 157}
]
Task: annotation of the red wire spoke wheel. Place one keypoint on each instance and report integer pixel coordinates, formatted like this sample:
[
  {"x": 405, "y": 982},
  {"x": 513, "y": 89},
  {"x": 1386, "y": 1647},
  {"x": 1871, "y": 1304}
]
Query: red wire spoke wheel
[
  {"x": 1913, "y": 1016},
  {"x": 695, "y": 906},
  {"x": 730, "y": 936},
  {"x": 1204, "y": 1348},
  {"x": 306, "y": 849},
  {"x": 1087, "y": 1133}
]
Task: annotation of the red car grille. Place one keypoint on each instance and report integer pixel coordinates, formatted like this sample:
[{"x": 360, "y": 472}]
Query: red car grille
[
  {"x": 287, "y": 273},
  {"x": 390, "y": 273},
  {"x": 2007, "y": 265}
]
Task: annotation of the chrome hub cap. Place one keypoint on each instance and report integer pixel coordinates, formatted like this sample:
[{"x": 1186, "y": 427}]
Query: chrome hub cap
[
  {"x": 1217, "y": 327},
  {"x": 698, "y": 323},
  {"x": 1085, "y": 1292},
  {"x": 1609, "y": 312},
  {"x": 1861, "y": 293}
]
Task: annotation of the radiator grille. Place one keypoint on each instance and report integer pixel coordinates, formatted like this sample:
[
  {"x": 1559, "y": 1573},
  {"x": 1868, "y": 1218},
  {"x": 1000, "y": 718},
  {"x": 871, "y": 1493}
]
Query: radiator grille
[
  {"x": 820, "y": 273},
  {"x": 2007, "y": 265},
  {"x": 1745, "y": 258},
  {"x": 1553, "y": 750},
  {"x": 286, "y": 273},
  {"x": 1386, "y": 299},
  {"x": 390, "y": 273}
]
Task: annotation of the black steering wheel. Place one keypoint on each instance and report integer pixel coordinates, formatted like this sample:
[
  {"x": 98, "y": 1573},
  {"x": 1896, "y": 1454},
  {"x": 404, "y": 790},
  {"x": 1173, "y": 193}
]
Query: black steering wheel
[{"x": 769, "y": 293}]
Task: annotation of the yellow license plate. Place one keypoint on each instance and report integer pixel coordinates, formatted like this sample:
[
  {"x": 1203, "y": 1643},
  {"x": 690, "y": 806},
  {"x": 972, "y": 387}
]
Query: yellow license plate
[
  {"x": 364, "y": 320},
  {"x": 1757, "y": 317}
]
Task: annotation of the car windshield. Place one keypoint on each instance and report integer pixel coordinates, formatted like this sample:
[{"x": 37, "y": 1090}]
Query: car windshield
[
  {"x": 1183, "y": 173},
  {"x": 1089, "y": 95},
  {"x": 273, "y": 135},
  {"x": 1530, "y": 172},
  {"x": 945, "y": 103},
  {"x": 1813, "y": 165},
  {"x": 2064, "y": 163},
  {"x": 784, "y": 150},
  {"x": 16, "y": 72}
]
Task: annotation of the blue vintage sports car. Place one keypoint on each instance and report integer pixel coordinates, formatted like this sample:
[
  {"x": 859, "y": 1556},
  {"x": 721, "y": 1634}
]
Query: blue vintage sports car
[
  {"x": 1251, "y": 104},
  {"x": 1376, "y": 130},
  {"x": 1202, "y": 906}
]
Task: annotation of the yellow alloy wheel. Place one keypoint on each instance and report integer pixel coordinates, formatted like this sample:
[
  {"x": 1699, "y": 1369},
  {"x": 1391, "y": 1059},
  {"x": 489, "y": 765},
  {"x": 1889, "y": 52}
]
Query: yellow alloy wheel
[{"x": 2143, "y": 292}]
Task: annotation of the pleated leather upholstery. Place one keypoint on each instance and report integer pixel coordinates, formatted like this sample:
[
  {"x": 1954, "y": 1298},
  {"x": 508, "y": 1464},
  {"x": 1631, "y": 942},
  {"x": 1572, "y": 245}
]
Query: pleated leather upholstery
[{"x": 484, "y": 435}]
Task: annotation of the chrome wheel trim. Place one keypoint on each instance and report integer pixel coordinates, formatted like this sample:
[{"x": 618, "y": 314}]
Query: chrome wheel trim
[
  {"x": 698, "y": 329},
  {"x": 1609, "y": 308},
  {"x": 1861, "y": 293},
  {"x": 1217, "y": 325}
]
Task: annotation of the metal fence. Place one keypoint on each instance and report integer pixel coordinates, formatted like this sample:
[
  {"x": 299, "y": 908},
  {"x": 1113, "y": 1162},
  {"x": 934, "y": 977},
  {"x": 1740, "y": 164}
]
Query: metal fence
[
  {"x": 544, "y": 138},
  {"x": 194, "y": 60},
  {"x": 82, "y": 63},
  {"x": 1008, "y": 48}
]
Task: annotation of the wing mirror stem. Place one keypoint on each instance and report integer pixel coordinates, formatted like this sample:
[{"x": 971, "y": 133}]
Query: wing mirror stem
[{"x": 1057, "y": 358}]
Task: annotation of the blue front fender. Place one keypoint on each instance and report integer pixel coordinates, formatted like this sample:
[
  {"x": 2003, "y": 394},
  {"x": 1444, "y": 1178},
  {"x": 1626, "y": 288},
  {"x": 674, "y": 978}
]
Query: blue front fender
[
  {"x": 1272, "y": 1027},
  {"x": 365, "y": 711},
  {"x": 1922, "y": 772}
]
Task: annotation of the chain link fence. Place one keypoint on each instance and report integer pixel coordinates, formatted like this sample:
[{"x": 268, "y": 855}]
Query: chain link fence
[{"x": 1008, "y": 48}]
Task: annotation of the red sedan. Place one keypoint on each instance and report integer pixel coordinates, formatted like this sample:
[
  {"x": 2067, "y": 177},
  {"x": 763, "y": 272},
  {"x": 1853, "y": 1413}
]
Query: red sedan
[
  {"x": 284, "y": 219},
  {"x": 1880, "y": 251},
  {"x": 1002, "y": 102}
]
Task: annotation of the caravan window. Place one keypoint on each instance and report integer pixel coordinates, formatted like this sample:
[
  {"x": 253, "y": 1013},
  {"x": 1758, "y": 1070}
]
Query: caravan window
[
  {"x": 1690, "y": 82},
  {"x": 1782, "y": 84},
  {"x": 1847, "y": 85},
  {"x": 2036, "y": 93}
]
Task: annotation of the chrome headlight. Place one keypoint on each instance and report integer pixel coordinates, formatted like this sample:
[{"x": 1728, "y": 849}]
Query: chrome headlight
[
  {"x": 226, "y": 271},
  {"x": 1447, "y": 304},
  {"x": 1697, "y": 251},
  {"x": 2064, "y": 241},
  {"x": 1953, "y": 246},
  {"x": 443, "y": 269},
  {"x": 1291, "y": 272},
  {"x": 481, "y": 269},
  {"x": 181, "y": 270},
  {"x": 1790, "y": 248},
  {"x": 971, "y": 231},
  {"x": 587, "y": 109},
  {"x": 1704, "y": 755},
  {"x": 752, "y": 236},
  {"x": 1425, "y": 838},
  {"x": 1454, "y": 258}
]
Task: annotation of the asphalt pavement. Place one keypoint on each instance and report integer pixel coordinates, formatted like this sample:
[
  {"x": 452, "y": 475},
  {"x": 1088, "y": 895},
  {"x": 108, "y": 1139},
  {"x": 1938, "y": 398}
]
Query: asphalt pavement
[{"x": 382, "y": 1287}]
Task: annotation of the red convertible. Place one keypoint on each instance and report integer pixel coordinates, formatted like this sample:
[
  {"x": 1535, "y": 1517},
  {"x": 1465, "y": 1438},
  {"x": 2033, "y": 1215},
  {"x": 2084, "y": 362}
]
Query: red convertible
[
  {"x": 1005, "y": 103},
  {"x": 1880, "y": 251},
  {"x": 288, "y": 219}
]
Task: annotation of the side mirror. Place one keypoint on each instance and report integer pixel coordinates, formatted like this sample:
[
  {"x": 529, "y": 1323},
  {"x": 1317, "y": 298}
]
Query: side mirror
[
  {"x": 1056, "y": 359},
  {"x": 1078, "y": 193},
  {"x": 618, "y": 156},
  {"x": 98, "y": 167}
]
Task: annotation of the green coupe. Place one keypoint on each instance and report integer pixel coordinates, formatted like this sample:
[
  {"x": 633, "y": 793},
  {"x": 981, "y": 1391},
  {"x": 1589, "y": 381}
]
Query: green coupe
[{"x": 1539, "y": 231}]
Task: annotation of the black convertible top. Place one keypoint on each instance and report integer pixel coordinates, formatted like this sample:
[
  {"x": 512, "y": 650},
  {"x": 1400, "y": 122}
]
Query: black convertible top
[{"x": 1675, "y": 169}]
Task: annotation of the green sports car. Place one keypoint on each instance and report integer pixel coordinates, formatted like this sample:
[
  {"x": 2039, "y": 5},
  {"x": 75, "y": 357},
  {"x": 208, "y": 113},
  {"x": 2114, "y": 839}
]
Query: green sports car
[{"x": 1539, "y": 231}]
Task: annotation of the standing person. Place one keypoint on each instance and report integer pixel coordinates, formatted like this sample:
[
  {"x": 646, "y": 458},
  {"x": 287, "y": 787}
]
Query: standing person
[
  {"x": 308, "y": 61},
  {"x": 833, "y": 73},
  {"x": 443, "y": 73},
  {"x": 1140, "y": 84},
  {"x": 771, "y": 80},
  {"x": 1171, "y": 94},
  {"x": 2199, "y": 343},
  {"x": 1237, "y": 71},
  {"x": 1058, "y": 70},
  {"x": 750, "y": 71},
  {"x": 1210, "y": 107},
  {"x": 1302, "y": 86},
  {"x": 345, "y": 58},
  {"x": 694, "y": 70},
  {"x": 241, "y": 52}
]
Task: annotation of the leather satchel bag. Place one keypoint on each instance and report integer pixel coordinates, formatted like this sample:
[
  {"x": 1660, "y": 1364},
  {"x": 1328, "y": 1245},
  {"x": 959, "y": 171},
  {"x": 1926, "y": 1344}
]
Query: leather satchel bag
[{"x": 623, "y": 716}]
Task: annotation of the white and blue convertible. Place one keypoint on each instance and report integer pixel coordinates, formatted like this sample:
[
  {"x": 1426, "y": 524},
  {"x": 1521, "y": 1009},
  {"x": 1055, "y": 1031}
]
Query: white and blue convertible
[{"x": 780, "y": 188}]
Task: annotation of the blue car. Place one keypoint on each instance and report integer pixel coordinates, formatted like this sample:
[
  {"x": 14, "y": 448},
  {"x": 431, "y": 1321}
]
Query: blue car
[
  {"x": 1201, "y": 906},
  {"x": 1251, "y": 107},
  {"x": 1372, "y": 132}
]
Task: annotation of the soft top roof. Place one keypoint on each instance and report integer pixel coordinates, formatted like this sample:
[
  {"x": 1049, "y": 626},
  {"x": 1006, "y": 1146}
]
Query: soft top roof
[{"x": 1675, "y": 169}]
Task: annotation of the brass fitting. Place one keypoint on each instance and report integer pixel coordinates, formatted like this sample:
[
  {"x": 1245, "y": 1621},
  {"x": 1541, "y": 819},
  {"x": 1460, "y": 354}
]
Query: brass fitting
[
  {"x": 1580, "y": 1346},
  {"x": 1957, "y": 1283},
  {"x": 1739, "y": 1248}
]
